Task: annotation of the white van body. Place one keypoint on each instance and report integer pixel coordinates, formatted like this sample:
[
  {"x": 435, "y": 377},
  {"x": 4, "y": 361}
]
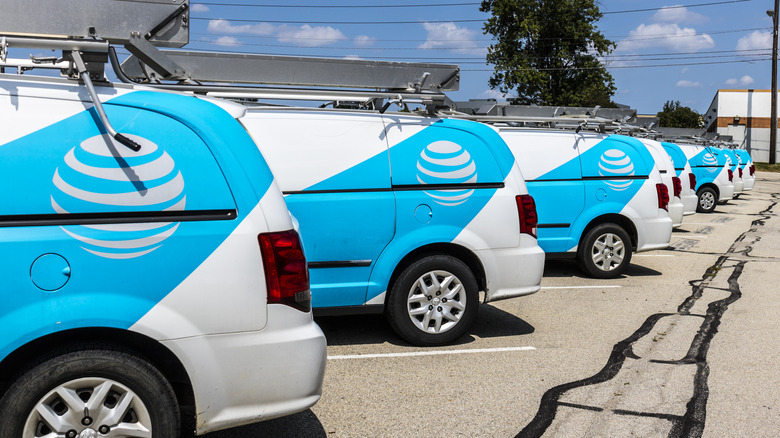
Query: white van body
[
  {"x": 668, "y": 173},
  {"x": 359, "y": 183},
  {"x": 748, "y": 170},
  {"x": 582, "y": 180},
  {"x": 712, "y": 177},
  {"x": 152, "y": 256},
  {"x": 687, "y": 179}
]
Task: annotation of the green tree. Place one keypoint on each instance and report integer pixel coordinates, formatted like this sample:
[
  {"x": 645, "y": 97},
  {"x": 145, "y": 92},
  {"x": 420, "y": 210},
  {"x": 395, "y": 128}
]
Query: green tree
[
  {"x": 547, "y": 52},
  {"x": 675, "y": 116}
]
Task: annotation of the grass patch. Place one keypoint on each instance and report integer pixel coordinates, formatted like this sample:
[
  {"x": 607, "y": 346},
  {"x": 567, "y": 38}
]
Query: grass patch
[{"x": 766, "y": 167}]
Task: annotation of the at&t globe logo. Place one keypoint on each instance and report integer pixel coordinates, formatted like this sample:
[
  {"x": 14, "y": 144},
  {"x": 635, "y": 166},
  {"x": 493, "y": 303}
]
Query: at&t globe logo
[
  {"x": 616, "y": 163},
  {"x": 446, "y": 163},
  {"x": 709, "y": 160},
  {"x": 100, "y": 175}
]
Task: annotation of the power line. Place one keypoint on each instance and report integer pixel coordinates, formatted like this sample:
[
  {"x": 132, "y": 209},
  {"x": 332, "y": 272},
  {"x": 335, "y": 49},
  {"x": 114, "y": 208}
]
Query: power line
[
  {"x": 637, "y": 66},
  {"x": 674, "y": 7}
]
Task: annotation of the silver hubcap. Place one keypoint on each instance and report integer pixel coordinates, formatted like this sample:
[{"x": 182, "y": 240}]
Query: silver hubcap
[
  {"x": 707, "y": 200},
  {"x": 608, "y": 252},
  {"x": 86, "y": 408},
  {"x": 436, "y": 302}
]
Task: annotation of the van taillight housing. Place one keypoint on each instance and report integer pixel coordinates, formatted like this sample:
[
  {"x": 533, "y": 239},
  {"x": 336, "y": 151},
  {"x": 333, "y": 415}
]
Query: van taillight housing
[
  {"x": 526, "y": 209},
  {"x": 286, "y": 273},
  {"x": 663, "y": 196},
  {"x": 677, "y": 186},
  {"x": 752, "y": 170},
  {"x": 740, "y": 172},
  {"x": 731, "y": 175},
  {"x": 692, "y": 177}
]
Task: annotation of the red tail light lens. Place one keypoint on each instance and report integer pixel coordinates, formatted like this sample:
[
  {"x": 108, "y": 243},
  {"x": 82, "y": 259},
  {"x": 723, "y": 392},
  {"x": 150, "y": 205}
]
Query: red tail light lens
[
  {"x": 731, "y": 175},
  {"x": 692, "y": 177},
  {"x": 740, "y": 172},
  {"x": 677, "y": 186},
  {"x": 752, "y": 170},
  {"x": 526, "y": 209},
  {"x": 286, "y": 273},
  {"x": 663, "y": 196}
]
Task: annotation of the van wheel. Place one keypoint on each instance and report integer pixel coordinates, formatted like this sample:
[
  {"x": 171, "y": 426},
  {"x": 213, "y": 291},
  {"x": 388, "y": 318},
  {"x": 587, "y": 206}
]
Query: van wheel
[
  {"x": 434, "y": 301},
  {"x": 605, "y": 251},
  {"x": 707, "y": 200},
  {"x": 90, "y": 392}
]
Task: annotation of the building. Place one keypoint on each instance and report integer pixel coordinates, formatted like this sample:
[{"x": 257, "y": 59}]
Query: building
[{"x": 745, "y": 115}]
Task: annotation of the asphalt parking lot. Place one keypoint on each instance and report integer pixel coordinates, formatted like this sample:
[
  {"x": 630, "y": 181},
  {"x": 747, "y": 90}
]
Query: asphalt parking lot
[{"x": 686, "y": 343}]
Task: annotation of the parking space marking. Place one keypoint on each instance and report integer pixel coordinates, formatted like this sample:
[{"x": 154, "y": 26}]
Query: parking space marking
[
  {"x": 430, "y": 353},
  {"x": 582, "y": 287}
]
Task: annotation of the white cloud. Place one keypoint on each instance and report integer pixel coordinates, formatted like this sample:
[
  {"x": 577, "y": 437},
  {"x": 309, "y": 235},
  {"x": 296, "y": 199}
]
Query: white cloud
[
  {"x": 685, "y": 83},
  {"x": 449, "y": 35},
  {"x": 744, "y": 81},
  {"x": 356, "y": 57},
  {"x": 678, "y": 15},
  {"x": 224, "y": 26},
  {"x": 306, "y": 35},
  {"x": 667, "y": 36},
  {"x": 364, "y": 41},
  {"x": 756, "y": 40},
  {"x": 684, "y": 70},
  {"x": 227, "y": 41},
  {"x": 493, "y": 94},
  {"x": 197, "y": 7}
]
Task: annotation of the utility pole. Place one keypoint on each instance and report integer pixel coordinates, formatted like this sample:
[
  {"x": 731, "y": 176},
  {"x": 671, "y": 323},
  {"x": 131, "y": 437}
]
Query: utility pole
[{"x": 773, "y": 122}]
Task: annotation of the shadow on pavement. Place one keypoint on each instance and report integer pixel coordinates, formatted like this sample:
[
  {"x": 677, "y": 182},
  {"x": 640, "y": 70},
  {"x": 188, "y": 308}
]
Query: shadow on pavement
[{"x": 301, "y": 425}]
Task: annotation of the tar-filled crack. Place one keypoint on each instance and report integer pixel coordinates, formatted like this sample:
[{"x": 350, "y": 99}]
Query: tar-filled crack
[{"x": 691, "y": 424}]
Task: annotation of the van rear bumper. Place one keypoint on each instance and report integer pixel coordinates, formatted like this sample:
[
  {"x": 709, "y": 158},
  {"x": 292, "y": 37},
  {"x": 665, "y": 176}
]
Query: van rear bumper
[
  {"x": 653, "y": 233},
  {"x": 243, "y": 378},
  {"x": 690, "y": 201},
  {"x": 676, "y": 209},
  {"x": 513, "y": 272}
]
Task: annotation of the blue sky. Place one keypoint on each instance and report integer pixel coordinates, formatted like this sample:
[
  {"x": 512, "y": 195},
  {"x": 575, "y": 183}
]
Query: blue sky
[{"x": 674, "y": 51}]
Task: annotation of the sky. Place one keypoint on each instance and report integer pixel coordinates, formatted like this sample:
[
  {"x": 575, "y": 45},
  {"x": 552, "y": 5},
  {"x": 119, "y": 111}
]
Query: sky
[{"x": 665, "y": 50}]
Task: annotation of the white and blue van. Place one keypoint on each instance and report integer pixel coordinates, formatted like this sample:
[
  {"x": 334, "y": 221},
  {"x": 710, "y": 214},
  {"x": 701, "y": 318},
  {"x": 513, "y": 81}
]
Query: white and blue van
[
  {"x": 408, "y": 215},
  {"x": 144, "y": 290},
  {"x": 736, "y": 170},
  {"x": 713, "y": 182},
  {"x": 669, "y": 177},
  {"x": 747, "y": 168},
  {"x": 685, "y": 178},
  {"x": 599, "y": 198}
]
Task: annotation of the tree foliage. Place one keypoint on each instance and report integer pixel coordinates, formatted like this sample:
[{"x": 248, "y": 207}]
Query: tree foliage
[
  {"x": 676, "y": 116},
  {"x": 547, "y": 52}
]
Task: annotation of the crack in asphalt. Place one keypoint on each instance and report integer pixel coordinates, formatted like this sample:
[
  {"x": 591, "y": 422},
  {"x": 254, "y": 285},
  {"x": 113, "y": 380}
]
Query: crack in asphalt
[{"x": 691, "y": 424}]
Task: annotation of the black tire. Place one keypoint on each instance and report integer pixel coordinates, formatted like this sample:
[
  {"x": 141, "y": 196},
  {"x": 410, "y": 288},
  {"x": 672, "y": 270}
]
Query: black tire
[
  {"x": 605, "y": 251},
  {"x": 85, "y": 373},
  {"x": 708, "y": 199},
  {"x": 454, "y": 307}
]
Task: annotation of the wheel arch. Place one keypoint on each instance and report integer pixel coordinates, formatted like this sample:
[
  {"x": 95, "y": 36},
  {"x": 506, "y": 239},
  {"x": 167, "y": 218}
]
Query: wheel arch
[
  {"x": 710, "y": 185},
  {"x": 617, "y": 219},
  {"x": 459, "y": 252},
  {"x": 146, "y": 348}
]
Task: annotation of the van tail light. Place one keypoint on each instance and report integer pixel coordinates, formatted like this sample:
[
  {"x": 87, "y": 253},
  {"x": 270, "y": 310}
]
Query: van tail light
[
  {"x": 692, "y": 177},
  {"x": 677, "y": 186},
  {"x": 731, "y": 175},
  {"x": 740, "y": 172},
  {"x": 526, "y": 209},
  {"x": 752, "y": 170},
  {"x": 663, "y": 196},
  {"x": 286, "y": 273}
]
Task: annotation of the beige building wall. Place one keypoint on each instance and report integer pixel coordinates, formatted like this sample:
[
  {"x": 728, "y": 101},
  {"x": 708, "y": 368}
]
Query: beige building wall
[{"x": 745, "y": 115}]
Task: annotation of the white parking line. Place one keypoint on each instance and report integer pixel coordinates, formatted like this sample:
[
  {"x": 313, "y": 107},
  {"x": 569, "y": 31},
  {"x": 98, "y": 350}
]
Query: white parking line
[
  {"x": 429, "y": 353},
  {"x": 581, "y": 287}
]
